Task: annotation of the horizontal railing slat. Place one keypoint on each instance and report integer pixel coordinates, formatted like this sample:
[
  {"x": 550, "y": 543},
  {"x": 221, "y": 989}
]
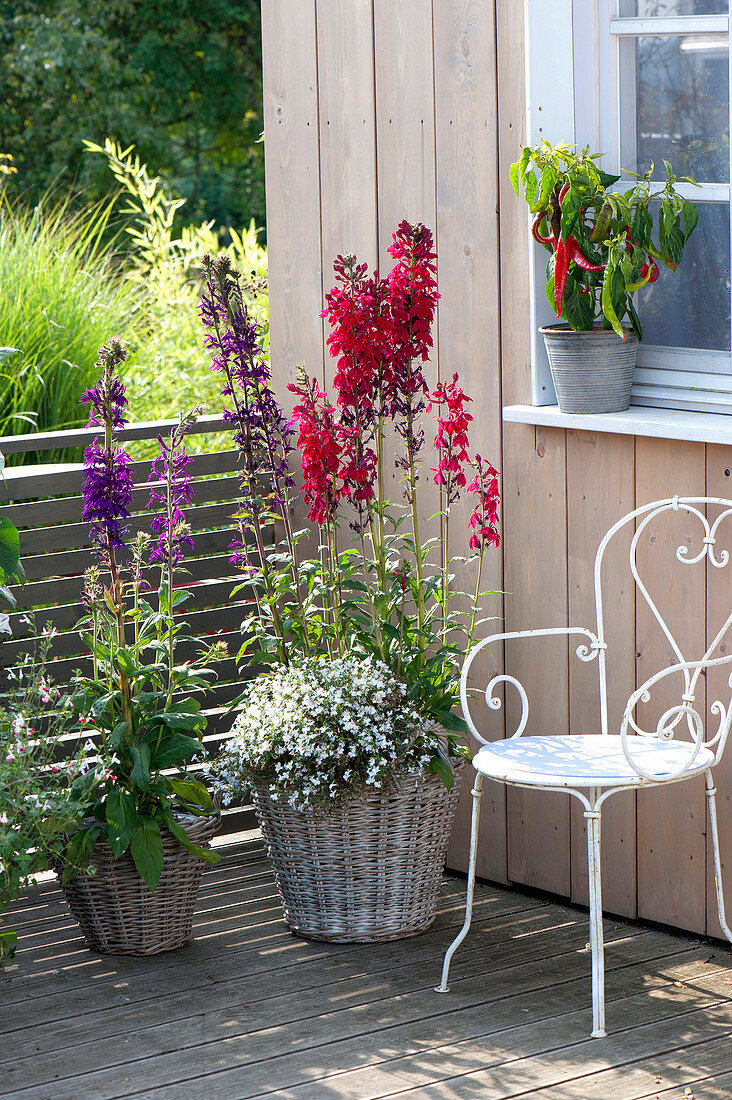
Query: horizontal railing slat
[
  {"x": 72, "y": 563},
  {"x": 71, "y": 536},
  {"x": 36, "y": 482},
  {"x": 79, "y": 437},
  {"x": 68, "y": 509}
]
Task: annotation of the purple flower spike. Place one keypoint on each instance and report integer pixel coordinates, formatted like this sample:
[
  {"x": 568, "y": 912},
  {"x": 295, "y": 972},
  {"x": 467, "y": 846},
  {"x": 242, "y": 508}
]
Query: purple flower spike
[
  {"x": 108, "y": 399},
  {"x": 173, "y": 489},
  {"x": 107, "y": 490},
  {"x": 107, "y": 485},
  {"x": 261, "y": 433}
]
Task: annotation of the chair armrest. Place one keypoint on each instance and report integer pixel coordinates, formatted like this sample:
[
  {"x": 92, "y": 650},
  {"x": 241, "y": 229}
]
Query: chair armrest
[
  {"x": 675, "y": 715},
  {"x": 585, "y": 652}
]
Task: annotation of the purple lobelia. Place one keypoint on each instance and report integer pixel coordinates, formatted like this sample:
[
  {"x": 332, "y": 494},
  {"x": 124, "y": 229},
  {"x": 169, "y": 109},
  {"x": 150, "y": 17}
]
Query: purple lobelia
[
  {"x": 171, "y": 487},
  {"x": 261, "y": 432},
  {"x": 107, "y": 484}
]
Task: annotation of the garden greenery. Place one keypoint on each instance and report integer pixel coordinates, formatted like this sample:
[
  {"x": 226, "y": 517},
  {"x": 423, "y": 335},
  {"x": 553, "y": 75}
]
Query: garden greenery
[
  {"x": 61, "y": 296},
  {"x": 377, "y": 589},
  {"x": 319, "y": 732},
  {"x": 36, "y": 805},
  {"x": 140, "y": 707},
  {"x": 601, "y": 241}
]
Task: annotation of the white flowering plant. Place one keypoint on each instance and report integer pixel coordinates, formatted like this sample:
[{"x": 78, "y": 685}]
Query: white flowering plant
[
  {"x": 322, "y": 731},
  {"x": 35, "y": 804}
]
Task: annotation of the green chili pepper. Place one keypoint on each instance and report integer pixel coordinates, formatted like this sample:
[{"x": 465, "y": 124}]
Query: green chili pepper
[{"x": 601, "y": 226}]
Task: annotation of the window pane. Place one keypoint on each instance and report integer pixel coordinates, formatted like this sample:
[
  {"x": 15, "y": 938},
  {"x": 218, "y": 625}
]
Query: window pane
[
  {"x": 681, "y": 107},
  {"x": 690, "y": 308},
  {"x": 649, "y": 8}
]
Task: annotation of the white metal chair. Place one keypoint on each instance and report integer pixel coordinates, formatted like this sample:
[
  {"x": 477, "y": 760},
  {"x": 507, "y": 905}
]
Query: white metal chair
[{"x": 592, "y": 768}]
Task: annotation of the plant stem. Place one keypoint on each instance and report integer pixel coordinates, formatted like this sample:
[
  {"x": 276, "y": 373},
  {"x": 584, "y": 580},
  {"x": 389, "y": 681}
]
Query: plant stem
[
  {"x": 415, "y": 529},
  {"x": 476, "y": 599}
]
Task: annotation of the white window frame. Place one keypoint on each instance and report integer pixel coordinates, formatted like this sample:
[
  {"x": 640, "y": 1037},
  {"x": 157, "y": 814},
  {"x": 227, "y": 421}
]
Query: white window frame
[{"x": 568, "y": 49}]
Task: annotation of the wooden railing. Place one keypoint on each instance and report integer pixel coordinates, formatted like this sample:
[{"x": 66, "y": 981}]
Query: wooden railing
[{"x": 44, "y": 502}]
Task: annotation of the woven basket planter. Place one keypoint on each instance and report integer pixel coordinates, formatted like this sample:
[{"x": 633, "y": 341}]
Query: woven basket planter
[
  {"x": 371, "y": 870},
  {"x": 117, "y": 911}
]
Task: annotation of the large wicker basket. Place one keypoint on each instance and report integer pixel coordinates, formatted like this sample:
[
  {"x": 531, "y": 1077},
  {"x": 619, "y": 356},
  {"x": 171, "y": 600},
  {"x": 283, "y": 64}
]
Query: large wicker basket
[
  {"x": 370, "y": 870},
  {"x": 117, "y": 911}
]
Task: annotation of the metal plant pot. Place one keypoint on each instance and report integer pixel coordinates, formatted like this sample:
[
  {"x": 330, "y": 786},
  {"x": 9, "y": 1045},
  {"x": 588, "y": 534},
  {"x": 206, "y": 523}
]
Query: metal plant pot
[{"x": 592, "y": 371}]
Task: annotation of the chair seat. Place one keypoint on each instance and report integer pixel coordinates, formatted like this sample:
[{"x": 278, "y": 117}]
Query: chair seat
[{"x": 584, "y": 761}]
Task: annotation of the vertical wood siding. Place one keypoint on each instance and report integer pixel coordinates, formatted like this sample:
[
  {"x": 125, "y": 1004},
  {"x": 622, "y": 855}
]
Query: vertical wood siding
[{"x": 377, "y": 111}]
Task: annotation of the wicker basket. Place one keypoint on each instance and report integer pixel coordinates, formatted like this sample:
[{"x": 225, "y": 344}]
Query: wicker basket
[
  {"x": 369, "y": 871},
  {"x": 118, "y": 913}
]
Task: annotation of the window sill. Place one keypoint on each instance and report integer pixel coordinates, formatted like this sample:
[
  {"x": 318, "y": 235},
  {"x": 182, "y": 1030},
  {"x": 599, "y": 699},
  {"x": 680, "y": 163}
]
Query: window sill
[{"x": 700, "y": 427}]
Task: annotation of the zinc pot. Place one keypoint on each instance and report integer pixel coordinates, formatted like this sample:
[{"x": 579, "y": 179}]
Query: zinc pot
[
  {"x": 368, "y": 871},
  {"x": 592, "y": 371},
  {"x": 117, "y": 911}
]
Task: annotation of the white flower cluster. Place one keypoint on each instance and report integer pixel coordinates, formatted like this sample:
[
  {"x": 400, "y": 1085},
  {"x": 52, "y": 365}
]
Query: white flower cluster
[{"x": 321, "y": 731}]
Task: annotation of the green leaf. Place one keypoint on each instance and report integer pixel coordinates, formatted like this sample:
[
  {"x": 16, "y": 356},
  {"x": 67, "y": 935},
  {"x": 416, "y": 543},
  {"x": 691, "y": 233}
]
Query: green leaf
[
  {"x": 440, "y": 767},
  {"x": 5, "y": 353},
  {"x": 607, "y": 300},
  {"x": 192, "y": 792},
  {"x": 9, "y": 548},
  {"x": 146, "y": 848},
  {"x": 690, "y": 214},
  {"x": 606, "y": 178},
  {"x": 140, "y": 774},
  {"x": 174, "y": 748},
  {"x": 122, "y": 818},
  {"x": 78, "y": 851},
  {"x": 549, "y": 179}
]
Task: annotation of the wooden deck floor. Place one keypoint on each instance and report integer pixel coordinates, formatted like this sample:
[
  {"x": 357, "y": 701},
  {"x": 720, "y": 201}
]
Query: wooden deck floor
[{"x": 247, "y": 1010}]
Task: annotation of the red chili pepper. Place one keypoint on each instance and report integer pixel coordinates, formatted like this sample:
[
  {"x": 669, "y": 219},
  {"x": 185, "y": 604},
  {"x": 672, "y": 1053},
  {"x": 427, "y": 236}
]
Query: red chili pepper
[
  {"x": 561, "y": 267},
  {"x": 580, "y": 259},
  {"x": 536, "y": 230},
  {"x": 655, "y": 270},
  {"x": 563, "y": 193}
]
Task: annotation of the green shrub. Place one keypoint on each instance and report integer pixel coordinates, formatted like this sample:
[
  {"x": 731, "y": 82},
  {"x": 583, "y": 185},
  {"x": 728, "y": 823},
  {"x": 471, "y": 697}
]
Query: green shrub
[
  {"x": 61, "y": 298},
  {"x": 169, "y": 369}
]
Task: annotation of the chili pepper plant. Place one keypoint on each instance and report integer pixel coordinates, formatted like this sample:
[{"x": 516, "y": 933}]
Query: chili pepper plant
[
  {"x": 140, "y": 708},
  {"x": 604, "y": 244},
  {"x": 377, "y": 588}
]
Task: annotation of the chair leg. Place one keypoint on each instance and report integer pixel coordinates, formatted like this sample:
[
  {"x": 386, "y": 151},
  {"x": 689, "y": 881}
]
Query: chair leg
[
  {"x": 477, "y": 792},
  {"x": 592, "y": 817},
  {"x": 712, "y": 804}
]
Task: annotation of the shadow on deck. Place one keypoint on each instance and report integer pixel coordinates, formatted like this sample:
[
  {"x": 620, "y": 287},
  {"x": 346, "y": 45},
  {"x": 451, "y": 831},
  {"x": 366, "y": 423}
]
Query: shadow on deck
[{"x": 248, "y": 1010}]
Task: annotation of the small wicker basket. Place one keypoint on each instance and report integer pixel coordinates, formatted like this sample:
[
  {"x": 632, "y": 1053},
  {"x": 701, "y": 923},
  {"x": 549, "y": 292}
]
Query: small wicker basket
[
  {"x": 118, "y": 913},
  {"x": 371, "y": 870}
]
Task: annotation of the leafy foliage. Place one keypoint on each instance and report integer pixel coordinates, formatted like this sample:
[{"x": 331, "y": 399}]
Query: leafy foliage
[
  {"x": 61, "y": 293},
  {"x": 167, "y": 370},
  {"x": 601, "y": 241},
  {"x": 180, "y": 79},
  {"x": 36, "y": 807}
]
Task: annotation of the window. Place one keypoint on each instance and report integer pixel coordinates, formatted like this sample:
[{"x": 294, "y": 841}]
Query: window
[{"x": 649, "y": 80}]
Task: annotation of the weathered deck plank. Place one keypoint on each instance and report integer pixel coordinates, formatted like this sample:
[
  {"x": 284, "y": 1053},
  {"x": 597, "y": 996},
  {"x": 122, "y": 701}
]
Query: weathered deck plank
[{"x": 247, "y": 1010}]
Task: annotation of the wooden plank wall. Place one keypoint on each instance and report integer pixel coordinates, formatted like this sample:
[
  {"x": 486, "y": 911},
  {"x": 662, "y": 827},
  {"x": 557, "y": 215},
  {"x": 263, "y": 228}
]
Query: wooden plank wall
[{"x": 375, "y": 111}]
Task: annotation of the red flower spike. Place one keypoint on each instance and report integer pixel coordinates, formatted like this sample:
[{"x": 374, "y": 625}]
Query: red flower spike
[
  {"x": 321, "y": 451},
  {"x": 484, "y": 520},
  {"x": 451, "y": 439}
]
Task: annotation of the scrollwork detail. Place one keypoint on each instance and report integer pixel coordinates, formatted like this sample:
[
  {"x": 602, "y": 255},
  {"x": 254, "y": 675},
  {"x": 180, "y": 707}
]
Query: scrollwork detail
[{"x": 494, "y": 701}]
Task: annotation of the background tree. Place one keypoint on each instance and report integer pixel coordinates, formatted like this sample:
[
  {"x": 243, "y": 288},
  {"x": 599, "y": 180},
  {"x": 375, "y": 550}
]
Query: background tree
[{"x": 179, "y": 79}]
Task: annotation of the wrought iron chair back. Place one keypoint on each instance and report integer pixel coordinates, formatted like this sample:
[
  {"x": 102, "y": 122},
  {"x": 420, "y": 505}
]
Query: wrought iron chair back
[
  {"x": 593, "y": 768},
  {"x": 683, "y": 716}
]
